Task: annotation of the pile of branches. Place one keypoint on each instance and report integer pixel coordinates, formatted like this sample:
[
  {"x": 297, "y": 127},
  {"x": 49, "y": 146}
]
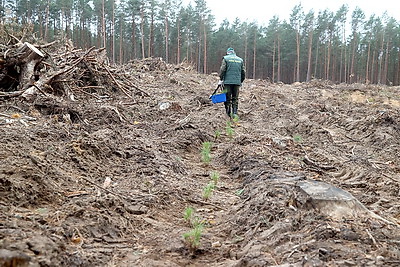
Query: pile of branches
[{"x": 59, "y": 71}]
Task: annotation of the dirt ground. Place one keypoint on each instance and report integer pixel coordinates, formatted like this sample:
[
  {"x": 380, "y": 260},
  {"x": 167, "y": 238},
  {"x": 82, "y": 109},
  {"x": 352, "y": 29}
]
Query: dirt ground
[{"x": 105, "y": 179}]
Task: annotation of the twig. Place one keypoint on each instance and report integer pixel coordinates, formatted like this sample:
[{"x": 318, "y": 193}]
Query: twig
[
  {"x": 76, "y": 193},
  {"x": 40, "y": 90},
  {"x": 108, "y": 191},
  {"x": 46, "y": 45},
  {"x": 14, "y": 107},
  {"x": 291, "y": 253},
  {"x": 391, "y": 178},
  {"x": 372, "y": 238},
  {"x": 91, "y": 87},
  {"x": 227, "y": 194},
  {"x": 205, "y": 203},
  {"x": 116, "y": 82},
  {"x": 11, "y": 94},
  {"x": 12, "y": 36},
  {"x": 5, "y": 115},
  {"x": 83, "y": 91},
  {"x": 136, "y": 87},
  {"x": 307, "y": 161},
  {"x": 73, "y": 52}
]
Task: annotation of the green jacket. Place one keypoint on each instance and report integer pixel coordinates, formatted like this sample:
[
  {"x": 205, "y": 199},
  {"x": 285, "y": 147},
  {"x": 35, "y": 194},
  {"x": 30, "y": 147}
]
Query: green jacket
[{"x": 232, "y": 70}]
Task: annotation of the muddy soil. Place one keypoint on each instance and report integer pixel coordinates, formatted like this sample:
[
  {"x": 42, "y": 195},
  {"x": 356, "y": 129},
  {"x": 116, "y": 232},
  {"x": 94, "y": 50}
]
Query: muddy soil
[{"x": 106, "y": 181}]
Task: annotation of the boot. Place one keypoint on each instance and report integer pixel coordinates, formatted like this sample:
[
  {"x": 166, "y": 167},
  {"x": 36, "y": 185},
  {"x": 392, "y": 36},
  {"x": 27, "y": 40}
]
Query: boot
[
  {"x": 228, "y": 111},
  {"x": 235, "y": 109},
  {"x": 235, "y": 117}
]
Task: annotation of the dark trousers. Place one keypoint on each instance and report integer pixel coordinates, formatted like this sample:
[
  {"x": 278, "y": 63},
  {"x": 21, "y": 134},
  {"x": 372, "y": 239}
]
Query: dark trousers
[{"x": 232, "y": 98}]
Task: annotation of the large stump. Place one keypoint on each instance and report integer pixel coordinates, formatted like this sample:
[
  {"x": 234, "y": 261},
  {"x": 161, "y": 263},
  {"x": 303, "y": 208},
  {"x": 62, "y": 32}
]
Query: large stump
[
  {"x": 30, "y": 56},
  {"x": 17, "y": 69},
  {"x": 334, "y": 202}
]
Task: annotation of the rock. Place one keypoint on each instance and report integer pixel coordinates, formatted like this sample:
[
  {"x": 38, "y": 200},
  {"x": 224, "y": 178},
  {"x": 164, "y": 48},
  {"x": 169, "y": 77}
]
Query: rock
[
  {"x": 216, "y": 244},
  {"x": 136, "y": 209},
  {"x": 164, "y": 105},
  {"x": 10, "y": 258},
  {"x": 41, "y": 245}
]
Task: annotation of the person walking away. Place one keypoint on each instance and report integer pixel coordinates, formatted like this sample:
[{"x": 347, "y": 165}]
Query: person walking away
[{"x": 232, "y": 75}]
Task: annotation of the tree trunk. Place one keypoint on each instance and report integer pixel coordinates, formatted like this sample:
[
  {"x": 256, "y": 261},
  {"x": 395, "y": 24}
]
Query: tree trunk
[
  {"x": 134, "y": 47},
  {"x": 345, "y": 55},
  {"x": 310, "y": 41},
  {"x": 205, "y": 49},
  {"x": 113, "y": 33},
  {"x": 121, "y": 50},
  {"x": 380, "y": 56},
  {"x": 341, "y": 65},
  {"x": 328, "y": 59},
  {"x": 334, "y": 66},
  {"x": 385, "y": 70},
  {"x": 46, "y": 29},
  {"x": 316, "y": 60},
  {"x": 166, "y": 38},
  {"x": 279, "y": 60},
  {"x": 103, "y": 24},
  {"x": 367, "y": 80},
  {"x": 398, "y": 71},
  {"x": 187, "y": 46},
  {"x": 199, "y": 55},
  {"x": 41, "y": 22},
  {"x": 353, "y": 59},
  {"x": 142, "y": 30},
  {"x": 298, "y": 56},
  {"x": 151, "y": 35},
  {"x": 199, "y": 48},
  {"x": 372, "y": 75},
  {"x": 81, "y": 33},
  {"x": 254, "y": 54},
  {"x": 245, "y": 50},
  {"x": 178, "y": 57},
  {"x": 63, "y": 22},
  {"x": 273, "y": 61}
]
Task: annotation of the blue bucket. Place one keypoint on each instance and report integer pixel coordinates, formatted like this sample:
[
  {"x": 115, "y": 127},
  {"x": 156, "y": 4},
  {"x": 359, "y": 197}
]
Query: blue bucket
[{"x": 218, "y": 98}]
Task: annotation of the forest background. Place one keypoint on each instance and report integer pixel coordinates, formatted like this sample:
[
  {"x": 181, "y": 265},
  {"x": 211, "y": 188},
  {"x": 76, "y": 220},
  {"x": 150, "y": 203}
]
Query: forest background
[{"x": 341, "y": 46}]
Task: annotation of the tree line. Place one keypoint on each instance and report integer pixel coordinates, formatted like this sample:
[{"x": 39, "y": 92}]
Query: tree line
[{"x": 341, "y": 46}]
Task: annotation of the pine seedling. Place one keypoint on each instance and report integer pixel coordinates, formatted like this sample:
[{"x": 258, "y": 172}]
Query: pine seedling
[
  {"x": 229, "y": 130},
  {"x": 206, "y": 152},
  {"x": 207, "y": 146},
  {"x": 207, "y": 190},
  {"x": 196, "y": 221},
  {"x": 217, "y": 134},
  {"x": 193, "y": 236},
  {"x": 297, "y": 138},
  {"x": 239, "y": 192},
  {"x": 235, "y": 118},
  {"x": 188, "y": 214},
  {"x": 215, "y": 177}
]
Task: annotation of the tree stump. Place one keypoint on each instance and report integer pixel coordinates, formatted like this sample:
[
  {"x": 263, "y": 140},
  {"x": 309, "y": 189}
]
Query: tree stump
[
  {"x": 334, "y": 202},
  {"x": 30, "y": 57}
]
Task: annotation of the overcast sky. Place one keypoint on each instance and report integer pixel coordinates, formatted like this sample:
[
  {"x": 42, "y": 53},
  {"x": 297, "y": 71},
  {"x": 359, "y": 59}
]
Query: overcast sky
[{"x": 263, "y": 10}]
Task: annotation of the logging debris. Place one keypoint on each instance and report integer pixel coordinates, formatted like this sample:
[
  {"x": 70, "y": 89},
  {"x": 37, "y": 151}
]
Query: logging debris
[{"x": 62, "y": 71}]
